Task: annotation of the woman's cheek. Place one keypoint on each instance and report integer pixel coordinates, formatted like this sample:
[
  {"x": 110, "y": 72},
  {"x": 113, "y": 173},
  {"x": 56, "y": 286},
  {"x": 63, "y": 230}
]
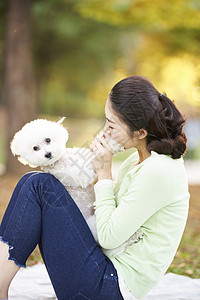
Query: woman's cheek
[{"x": 117, "y": 136}]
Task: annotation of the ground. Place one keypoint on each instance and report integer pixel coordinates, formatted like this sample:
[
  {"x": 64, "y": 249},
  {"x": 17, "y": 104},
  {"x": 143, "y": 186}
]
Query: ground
[{"x": 187, "y": 259}]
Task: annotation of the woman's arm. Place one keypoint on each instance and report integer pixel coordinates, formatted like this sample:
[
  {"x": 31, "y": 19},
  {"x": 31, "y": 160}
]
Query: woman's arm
[{"x": 143, "y": 196}]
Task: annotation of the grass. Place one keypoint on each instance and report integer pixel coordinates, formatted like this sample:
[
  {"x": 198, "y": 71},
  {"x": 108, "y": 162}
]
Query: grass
[{"x": 187, "y": 258}]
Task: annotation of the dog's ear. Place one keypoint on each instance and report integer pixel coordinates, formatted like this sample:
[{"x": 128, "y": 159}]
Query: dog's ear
[
  {"x": 14, "y": 144},
  {"x": 15, "y": 148},
  {"x": 25, "y": 162},
  {"x": 61, "y": 120}
]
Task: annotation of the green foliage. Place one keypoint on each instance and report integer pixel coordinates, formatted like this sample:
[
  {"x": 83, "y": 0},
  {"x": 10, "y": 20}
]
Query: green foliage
[
  {"x": 144, "y": 14},
  {"x": 176, "y": 22},
  {"x": 82, "y": 47},
  {"x": 71, "y": 55},
  {"x": 78, "y": 45}
]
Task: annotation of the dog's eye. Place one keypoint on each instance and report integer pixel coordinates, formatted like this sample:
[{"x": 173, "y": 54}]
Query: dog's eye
[
  {"x": 36, "y": 148},
  {"x": 47, "y": 140}
]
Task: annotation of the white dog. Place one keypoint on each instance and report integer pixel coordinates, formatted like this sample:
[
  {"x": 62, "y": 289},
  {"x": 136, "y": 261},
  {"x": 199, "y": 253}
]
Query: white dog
[{"x": 42, "y": 143}]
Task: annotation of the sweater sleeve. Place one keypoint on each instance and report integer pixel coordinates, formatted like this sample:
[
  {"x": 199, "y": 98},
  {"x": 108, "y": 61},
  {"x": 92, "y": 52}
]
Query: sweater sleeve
[{"x": 141, "y": 198}]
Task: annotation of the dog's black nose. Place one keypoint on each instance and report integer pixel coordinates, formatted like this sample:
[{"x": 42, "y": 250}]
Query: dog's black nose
[{"x": 48, "y": 155}]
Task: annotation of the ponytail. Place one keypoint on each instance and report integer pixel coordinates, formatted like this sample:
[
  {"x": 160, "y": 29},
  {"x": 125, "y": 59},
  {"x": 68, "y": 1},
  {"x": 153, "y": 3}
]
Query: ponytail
[{"x": 165, "y": 130}]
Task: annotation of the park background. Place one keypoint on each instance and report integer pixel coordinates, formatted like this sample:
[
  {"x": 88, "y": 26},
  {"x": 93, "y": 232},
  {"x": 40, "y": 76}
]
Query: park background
[{"x": 62, "y": 57}]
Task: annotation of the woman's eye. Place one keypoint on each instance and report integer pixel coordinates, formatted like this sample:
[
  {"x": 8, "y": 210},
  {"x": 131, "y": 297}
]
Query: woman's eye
[
  {"x": 36, "y": 148},
  {"x": 47, "y": 140},
  {"x": 110, "y": 127}
]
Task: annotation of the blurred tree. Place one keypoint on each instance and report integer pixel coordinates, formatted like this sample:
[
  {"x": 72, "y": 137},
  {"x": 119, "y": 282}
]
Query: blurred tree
[
  {"x": 91, "y": 44},
  {"x": 164, "y": 30},
  {"x": 19, "y": 83},
  {"x": 144, "y": 14},
  {"x": 82, "y": 47},
  {"x": 72, "y": 54},
  {"x": 2, "y": 39}
]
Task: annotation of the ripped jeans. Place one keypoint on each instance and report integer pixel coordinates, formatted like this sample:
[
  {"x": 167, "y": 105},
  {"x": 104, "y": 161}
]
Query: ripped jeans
[{"x": 41, "y": 211}]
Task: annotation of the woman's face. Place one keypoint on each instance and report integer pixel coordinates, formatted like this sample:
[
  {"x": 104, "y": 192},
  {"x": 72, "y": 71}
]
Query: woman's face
[{"x": 118, "y": 129}]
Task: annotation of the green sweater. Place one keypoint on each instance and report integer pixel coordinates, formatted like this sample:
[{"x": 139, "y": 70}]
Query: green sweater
[{"x": 151, "y": 196}]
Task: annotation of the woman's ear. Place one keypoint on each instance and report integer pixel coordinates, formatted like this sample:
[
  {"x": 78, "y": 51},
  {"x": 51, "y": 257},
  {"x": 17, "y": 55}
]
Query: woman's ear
[{"x": 142, "y": 133}]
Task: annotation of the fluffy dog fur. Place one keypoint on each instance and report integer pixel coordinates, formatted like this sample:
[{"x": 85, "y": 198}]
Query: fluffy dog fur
[{"x": 42, "y": 143}]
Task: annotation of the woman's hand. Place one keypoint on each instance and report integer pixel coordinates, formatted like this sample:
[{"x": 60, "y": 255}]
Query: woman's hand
[{"x": 102, "y": 159}]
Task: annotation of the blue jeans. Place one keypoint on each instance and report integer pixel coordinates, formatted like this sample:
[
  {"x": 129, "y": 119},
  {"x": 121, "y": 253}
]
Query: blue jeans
[{"x": 41, "y": 211}]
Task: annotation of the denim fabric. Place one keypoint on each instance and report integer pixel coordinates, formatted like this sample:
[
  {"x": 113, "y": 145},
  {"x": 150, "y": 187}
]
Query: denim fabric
[{"x": 41, "y": 211}]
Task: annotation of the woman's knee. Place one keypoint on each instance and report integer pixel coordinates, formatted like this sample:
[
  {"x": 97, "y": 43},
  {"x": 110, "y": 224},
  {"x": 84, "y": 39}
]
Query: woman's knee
[
  {"x": 42, "y": 178},
  {"x": 43, "y": 187},
  {"x": 36, "y": 177},
  {"x": 26, "y": 176},
  {"x": 44, "y": 183},
  {"x": 31, "y": 182}
]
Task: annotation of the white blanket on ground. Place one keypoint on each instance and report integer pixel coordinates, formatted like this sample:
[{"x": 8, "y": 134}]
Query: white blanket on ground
[{"x": 34, "y": 283}]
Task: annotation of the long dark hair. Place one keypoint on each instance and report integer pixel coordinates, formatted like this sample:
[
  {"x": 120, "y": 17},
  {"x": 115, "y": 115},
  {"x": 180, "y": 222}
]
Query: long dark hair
[{"x": 140, "y": 105}]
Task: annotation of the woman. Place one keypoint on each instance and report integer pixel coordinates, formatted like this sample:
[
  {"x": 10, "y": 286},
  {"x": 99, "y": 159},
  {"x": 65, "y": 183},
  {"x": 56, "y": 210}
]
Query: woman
[{"x": 150, "y": 194}]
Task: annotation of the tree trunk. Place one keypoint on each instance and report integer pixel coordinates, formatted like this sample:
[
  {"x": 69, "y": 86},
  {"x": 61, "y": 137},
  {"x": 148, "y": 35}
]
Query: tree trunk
[{"x": 19, "y": 81}]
